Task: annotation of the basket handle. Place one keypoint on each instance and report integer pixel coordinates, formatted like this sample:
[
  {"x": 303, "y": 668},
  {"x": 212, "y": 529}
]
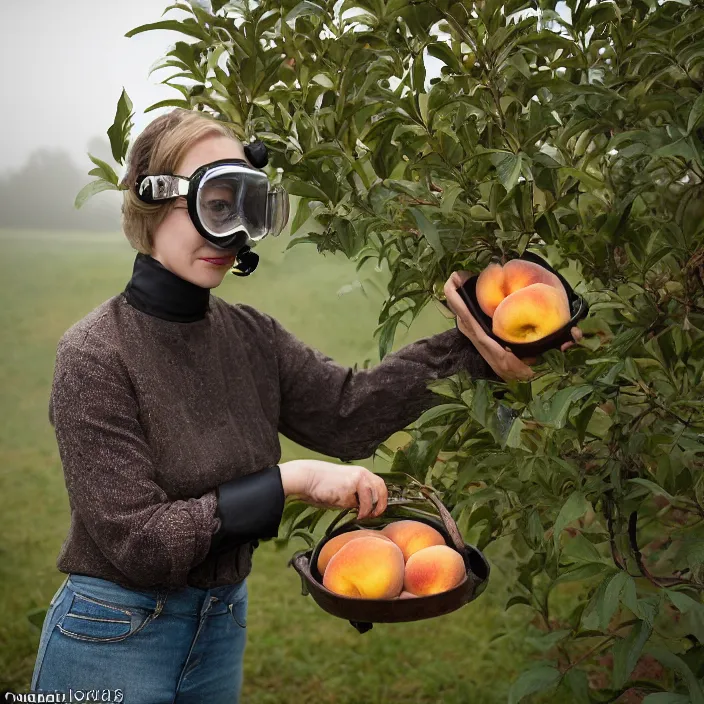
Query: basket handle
[
  {"x": 428, "y": 493},
  {"x": 391, "y": 502},
  {"x": 447, "y": 519}
]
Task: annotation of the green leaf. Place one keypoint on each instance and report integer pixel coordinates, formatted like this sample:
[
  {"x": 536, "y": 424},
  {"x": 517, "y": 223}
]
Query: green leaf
[
  {"x": 104, "y": 170},
  {"x": 304, "y": 9},
  {"x": 189, "y": 27},
  {"x": 92, "y": 189},
  {"x": 305, "y": 190},
  {"x": 575, "y": 507},
  {"x": 324, "y": 150},
  {"x": 480, "y": 213},
  {"x": 683, "y": 602},
  {"x": 444, "y": 387},
  {"x": 519, "y": 62},
  {"x": 583, "y": 418},
  {"x": 591, "y": 182},
  {"x": 667, "y": 698},
  {"x": 428, "y": 230},
  {"x": 449, "y": 196},
  {"x": 581, "y": 550},
  {"x": 627, "y": 651},
  {"x": 561, "y": 402},
  {"x": 607, "y": 607},
  {"x": 583, "y": 572},
  {"x": 444, "y": 53},
  {"x": 119, "y": 132},
  {"x": 513, "y": 438},
  {"x": 418, "y": 74},
  {"x": 480, "y": 402},
  {"x": 539, "y": 679},
  {"x": 303, "y": 212},
  {"x": 387, "y": 332},
  {"x": 654, "y": 488},
  {"x": 508, "y": 170},
  {"x": 669, "y": 659},
  {"x": 629, "y": 597},
  {"x": 439, "y": 411},
  {"x": 546, "y": 641},
  {"x": 169, "y": 103},
  {"x": 578, "y": 684},
  {"x": 696, "y": 114},
  {"x": 515, "y": 600}
]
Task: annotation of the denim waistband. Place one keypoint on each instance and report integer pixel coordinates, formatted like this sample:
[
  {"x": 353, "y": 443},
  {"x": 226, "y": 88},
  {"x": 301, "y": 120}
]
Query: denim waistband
[{"x": 189, "y": 600}]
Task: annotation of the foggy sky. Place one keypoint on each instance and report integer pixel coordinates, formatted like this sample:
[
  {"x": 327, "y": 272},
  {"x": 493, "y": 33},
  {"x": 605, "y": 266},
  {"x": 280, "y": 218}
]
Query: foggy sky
[{"x": 63, "y": 66}]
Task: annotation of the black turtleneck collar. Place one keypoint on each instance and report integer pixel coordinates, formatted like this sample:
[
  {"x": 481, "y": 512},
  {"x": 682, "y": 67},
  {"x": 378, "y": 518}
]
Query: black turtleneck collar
[{"x": 155, "y": 290}]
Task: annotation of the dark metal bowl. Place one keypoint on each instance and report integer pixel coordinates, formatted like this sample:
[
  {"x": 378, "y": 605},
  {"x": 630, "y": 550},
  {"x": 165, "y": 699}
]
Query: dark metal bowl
[
  {"x": 578, "y": 309},
  {"x": 362, "y": 613}
]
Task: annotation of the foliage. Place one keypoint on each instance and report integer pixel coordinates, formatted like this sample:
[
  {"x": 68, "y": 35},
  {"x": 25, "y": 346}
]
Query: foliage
[{"x": 576, "y": 130}]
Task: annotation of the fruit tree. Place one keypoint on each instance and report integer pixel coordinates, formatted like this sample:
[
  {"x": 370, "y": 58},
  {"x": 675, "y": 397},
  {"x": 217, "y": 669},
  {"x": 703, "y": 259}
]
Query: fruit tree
[{"x": 573, "y": 129}]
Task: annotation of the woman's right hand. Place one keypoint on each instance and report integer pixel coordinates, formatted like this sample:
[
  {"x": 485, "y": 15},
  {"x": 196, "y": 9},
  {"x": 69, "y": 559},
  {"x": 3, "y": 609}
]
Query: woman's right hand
[{"x": 328, "y": 485}]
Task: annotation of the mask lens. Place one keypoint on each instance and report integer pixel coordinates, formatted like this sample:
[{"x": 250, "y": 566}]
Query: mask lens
[
  {"x": 278, "y": 211},
  {"x": 254, "y": 208},
  {"x": 229, "y": 200},
  {"x": 217, "y": 206}
]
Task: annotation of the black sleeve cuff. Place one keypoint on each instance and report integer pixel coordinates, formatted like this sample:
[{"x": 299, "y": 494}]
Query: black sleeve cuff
[{"x": 249, "y": 508}]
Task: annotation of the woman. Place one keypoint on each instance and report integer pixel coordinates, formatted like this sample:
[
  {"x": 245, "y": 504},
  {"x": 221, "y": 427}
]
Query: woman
[{"x": 167, "y": 403}]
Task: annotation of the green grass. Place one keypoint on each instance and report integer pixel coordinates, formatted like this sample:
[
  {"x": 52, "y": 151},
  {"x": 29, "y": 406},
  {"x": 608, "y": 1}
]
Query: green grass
[{"x": 50, "y": 280}]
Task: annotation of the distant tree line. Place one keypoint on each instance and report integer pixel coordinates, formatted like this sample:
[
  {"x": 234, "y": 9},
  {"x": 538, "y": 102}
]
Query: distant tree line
[{"x": 41, "y": 194}]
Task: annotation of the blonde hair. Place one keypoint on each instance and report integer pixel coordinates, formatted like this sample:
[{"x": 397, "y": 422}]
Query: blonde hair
[{"x": 159, "y": 149}]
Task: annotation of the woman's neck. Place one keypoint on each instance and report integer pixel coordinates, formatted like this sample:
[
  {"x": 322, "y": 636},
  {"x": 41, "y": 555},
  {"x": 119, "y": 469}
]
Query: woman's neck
[{"x": 157, "y": 291}]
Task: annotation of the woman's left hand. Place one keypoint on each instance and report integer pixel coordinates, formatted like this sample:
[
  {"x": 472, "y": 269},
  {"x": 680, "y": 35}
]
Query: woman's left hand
[{"x": 500, "y": 359}]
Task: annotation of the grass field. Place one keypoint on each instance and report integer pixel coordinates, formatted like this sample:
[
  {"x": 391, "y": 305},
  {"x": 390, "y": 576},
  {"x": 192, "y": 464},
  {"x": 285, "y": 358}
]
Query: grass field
[{"x": 295, "y": 652}]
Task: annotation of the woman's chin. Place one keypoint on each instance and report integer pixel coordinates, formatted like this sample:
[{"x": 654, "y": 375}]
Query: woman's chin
[{"x": 206, "y": 275}]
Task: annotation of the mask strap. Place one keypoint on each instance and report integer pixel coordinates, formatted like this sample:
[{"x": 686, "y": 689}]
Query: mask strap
[{"x": 157, "y": 188}]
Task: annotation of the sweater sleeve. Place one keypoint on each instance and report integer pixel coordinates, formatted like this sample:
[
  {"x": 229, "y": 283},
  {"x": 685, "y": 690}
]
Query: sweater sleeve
[
  {"x": 343, "y": 413},
  {"x": 110, "y": 477}
]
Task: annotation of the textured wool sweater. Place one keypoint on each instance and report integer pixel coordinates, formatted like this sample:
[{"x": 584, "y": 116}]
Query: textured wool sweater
[{"x": 167, "y": 403}]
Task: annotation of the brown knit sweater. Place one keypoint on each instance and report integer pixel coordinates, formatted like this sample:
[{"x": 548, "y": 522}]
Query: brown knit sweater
[{"x": 151, "y": 415}]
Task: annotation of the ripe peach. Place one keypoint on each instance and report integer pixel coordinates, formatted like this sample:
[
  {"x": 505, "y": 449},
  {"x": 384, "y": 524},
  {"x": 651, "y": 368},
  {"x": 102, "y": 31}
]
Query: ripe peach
[
  {"x": 490, "y": 288},
  {"x": 433, "y": 570},
  {"x": 531, "y": 313},
  {"x": 497, "y": 282},
  {"x": 366, "y": 568},
  {"x": 412, "y": 536},
  {"x": 334, "y": 544}
]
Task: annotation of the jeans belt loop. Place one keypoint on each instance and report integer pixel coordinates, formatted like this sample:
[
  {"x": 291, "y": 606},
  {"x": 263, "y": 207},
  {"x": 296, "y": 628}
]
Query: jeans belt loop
[{"x": 161, "y": 597}]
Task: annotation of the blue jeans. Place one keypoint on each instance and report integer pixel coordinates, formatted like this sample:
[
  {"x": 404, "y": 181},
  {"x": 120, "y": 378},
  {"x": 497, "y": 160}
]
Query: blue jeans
[{"x": 147, "y": 647}]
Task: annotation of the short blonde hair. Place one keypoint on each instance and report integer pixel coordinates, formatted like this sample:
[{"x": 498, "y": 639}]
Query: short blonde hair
[{"x": 159, "y": 149}]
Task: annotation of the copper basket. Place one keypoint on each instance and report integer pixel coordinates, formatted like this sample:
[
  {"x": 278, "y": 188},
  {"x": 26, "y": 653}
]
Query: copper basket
[{"x": 363, "y": 613}]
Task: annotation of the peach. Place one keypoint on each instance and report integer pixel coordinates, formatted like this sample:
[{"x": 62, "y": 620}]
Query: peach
[
  {"x": 497, "y": 282},
  {"x": 531, "y": 313},
  {"x": 412, "y": 536},
  {"x": 334, "y": 544},
  {"x": 490, "y": 288},
  {"x": 366, "y": 568},
  {"x": 433, "y": 570}
]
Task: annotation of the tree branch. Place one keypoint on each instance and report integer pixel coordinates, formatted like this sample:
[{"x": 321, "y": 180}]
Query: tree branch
[{"x": 657, "y": 581}]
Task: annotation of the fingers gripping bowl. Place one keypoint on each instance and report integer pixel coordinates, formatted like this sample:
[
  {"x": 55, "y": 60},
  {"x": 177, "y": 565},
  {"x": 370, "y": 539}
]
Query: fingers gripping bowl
[{"x": 383, "y": 597}]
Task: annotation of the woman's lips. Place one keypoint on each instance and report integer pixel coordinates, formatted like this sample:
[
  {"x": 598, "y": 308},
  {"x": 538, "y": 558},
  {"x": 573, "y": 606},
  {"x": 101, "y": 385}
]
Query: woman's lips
[{"x": 219, "y": 261}]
